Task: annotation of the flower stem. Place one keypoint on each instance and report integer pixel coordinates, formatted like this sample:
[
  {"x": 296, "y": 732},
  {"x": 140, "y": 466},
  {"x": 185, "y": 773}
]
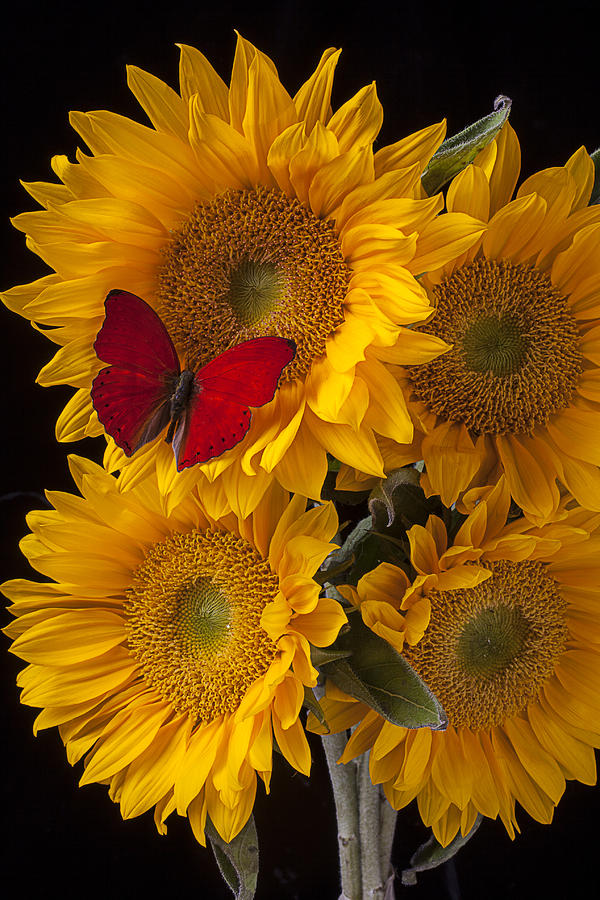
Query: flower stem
[
  {"x": 344, "y": 785},
  {"x": 387, "y": 827},
  {"x": 369, "y": 803}
]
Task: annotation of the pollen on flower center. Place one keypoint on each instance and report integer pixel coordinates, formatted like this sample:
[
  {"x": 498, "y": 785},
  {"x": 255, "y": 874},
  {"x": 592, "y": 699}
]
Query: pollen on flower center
[
  {"x": 193, "y": 611},
  {"x": 251, "y": 263},
  {"x": 489, "y": 649},
  {"x": 515, "y": 360}
]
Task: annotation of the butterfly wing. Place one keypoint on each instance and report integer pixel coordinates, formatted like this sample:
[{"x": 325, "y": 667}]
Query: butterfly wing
[
  {"x": 132, "y": 395},
  {"x": 218, "y": 416}
]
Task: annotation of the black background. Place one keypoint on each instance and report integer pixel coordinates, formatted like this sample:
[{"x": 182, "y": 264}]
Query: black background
[{"x": 429, "y": 61}]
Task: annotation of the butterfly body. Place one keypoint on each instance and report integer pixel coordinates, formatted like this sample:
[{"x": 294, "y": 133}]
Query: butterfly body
[
  {"x": 180, "y": 400},
  {"x": 143, "y": 389}
]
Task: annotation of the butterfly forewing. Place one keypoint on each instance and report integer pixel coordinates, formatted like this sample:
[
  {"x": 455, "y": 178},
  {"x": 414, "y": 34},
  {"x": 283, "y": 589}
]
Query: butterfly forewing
[
  {"x": 218, "y": 416},
  {"x": 134, "y": 338},
  {"x": 132, "y": 395},
  {"x": 248, "y": 372}
]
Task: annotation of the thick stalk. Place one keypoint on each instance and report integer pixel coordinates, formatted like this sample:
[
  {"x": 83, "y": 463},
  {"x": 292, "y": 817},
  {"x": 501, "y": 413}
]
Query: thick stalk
[
  {"x": 345, "y": 794},
  {"x": 369, "y": 806},
  {"x": 387, "y": 829}
]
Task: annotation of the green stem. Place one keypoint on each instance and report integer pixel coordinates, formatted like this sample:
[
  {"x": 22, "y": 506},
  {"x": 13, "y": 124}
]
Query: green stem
[
  {"x": 345, "y": 794},
  {"x": 370, "y": 836},
  {"x": 387, "y": 828}
]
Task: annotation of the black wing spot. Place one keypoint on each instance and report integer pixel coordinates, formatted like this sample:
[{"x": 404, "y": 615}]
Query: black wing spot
[{"x": 222, "y": 440}]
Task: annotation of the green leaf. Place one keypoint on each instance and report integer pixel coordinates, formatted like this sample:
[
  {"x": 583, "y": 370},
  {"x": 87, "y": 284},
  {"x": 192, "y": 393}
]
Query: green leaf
[
  {"x": 595, "y": 198},
  {"x": 381, "y": 499},
  {"x": 346, "y": 553},
  {"x": 333, "y": 464},
  {"x": 458, "y": 151},
  {"x": 379, "y": 676},
  {"x": 238, "y": 860},
  {"x": 320, "y": 656},
  {"x": 399, "y": 500},
  {"x": 311, "y": 703},
  {"x": 431, "y": 854}
]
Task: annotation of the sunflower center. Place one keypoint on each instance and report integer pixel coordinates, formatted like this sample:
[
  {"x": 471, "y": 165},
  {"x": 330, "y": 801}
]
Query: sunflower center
[
  {"x": 251, "y": 263},
  {"x": 491, "y": 640},
  {"x": 193, "y": 611},
  {"x": 516, "y": 358},
  {"x": 488, "y": 650},
  {"x": 494, "y": 344},
  {"x": 255, "y": 289},
  {"x": 203, "y": 618}
]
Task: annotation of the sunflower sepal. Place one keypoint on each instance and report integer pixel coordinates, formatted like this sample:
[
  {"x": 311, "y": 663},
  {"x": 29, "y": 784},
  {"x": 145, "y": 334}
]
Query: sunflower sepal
[
  {"x": 459, "y": 150},
  {"x": 431, "y": 854},
  {"x": 238, "y": 860},
  {"x": 376, "y": 674}
]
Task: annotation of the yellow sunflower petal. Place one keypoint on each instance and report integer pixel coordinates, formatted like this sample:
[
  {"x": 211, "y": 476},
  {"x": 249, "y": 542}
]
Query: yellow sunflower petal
[
  {"x": 197, "y": 76},
  {"x": 469, "y": 193},
  {"x": 532, "y": 487},
  {"x": 313, "y": 100},
  {"x": 357, "y": 123},
  {"x": 417, "y": 148},
  {"x": 128, "y": 735},
  {"x": 293, "y": 744},
  {"x": 451, "y": 459},
  {"x": 165, "y": 108}
]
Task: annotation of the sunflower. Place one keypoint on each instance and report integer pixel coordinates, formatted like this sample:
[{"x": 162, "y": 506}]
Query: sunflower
[
  {"x": 504, "y": 627},
  {"x": 518, "y": 394},
  {"x": 171, "y": 650},
  {"x": 242, "y": 212}
]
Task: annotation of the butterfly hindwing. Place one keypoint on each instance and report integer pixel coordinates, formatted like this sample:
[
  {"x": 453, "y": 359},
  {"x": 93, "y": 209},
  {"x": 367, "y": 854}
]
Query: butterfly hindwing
[
  {"x": 218, "y": 416},
  {"x": 132, "y": 394},
  {"x": 211, "y": 425},
  {"x": 132, "y": 407}
]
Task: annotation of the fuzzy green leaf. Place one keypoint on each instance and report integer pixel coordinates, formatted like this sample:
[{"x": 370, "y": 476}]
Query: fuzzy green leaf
[
  {"x": 238, "y": 860},
  {"x": 431, "y": 854},
  {"x": 458, "y": 151},
  {"x": 346, "y": 553},
  {"x": 311, "y": 703},
  {"x": 379, "y": 676}
]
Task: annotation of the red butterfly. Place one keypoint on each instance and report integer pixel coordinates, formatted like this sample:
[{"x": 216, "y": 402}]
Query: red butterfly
[{"x": 143, "y": 389}]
